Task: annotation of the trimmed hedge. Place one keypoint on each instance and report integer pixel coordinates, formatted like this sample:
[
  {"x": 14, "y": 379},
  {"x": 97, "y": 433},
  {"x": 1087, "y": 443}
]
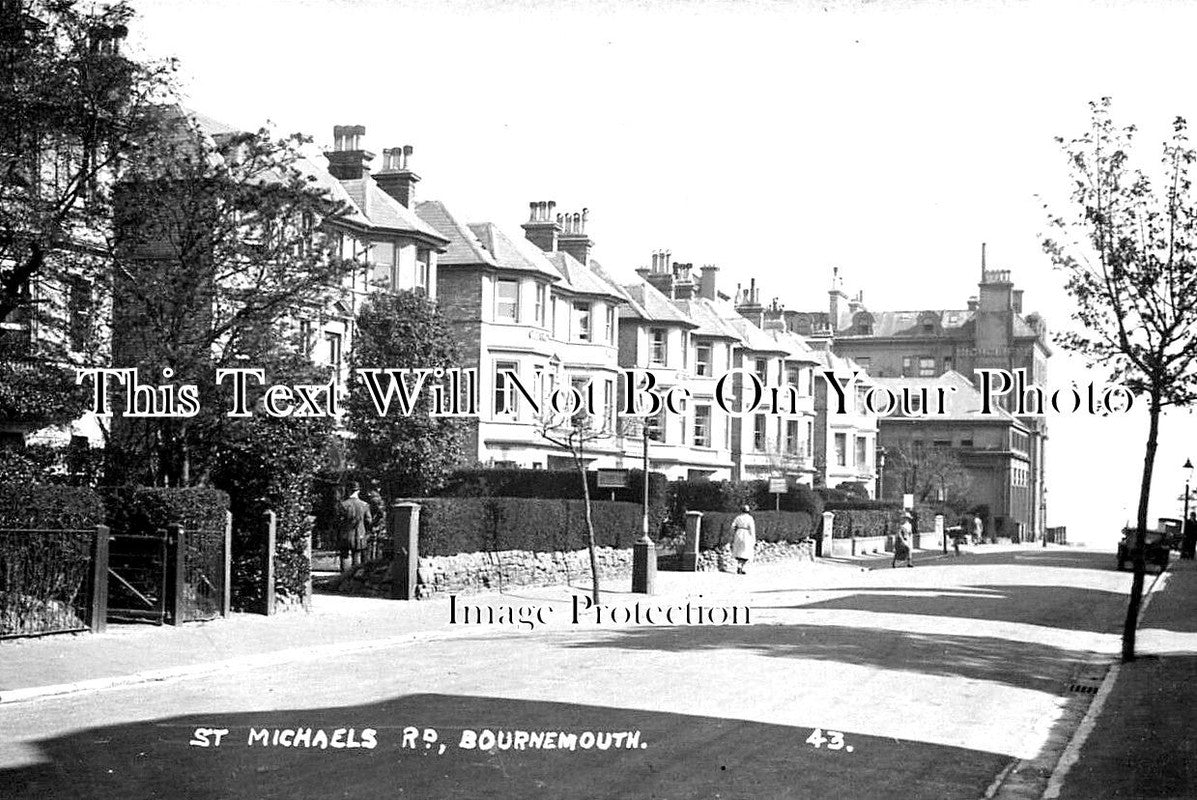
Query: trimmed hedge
[
  {"x": 732, "y": 496},
  {"x": 771, "y": 526},
  {"x": 449, "y": 526},
  {"x": 38, "y": 506},
  {"x": 866, "y": 522},
  {"x": 134, "y": 509}
]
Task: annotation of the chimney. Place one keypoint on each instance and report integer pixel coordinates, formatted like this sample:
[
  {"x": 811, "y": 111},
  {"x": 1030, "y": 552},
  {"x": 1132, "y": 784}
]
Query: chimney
[
  {"x": 542, "y": 229},
  {"x": 573, "y": 239},
  {"x": 396, "y": 179},
  {"x": 659, "y": 276},
  {"x": 706, "y": 284},
  {"x": 839, "y": 314},
  {"x": 972, "y": 303},
  {"x": 683, "y": 281},
  {"x": 348, "y": 161},
  {"x": 1017, "y": 301}
]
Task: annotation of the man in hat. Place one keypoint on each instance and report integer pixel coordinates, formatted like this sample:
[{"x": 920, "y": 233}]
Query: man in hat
[{"x": 355, "y": 518}]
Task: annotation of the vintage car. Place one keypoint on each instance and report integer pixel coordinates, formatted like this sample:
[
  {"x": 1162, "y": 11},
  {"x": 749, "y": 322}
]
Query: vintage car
[{"x": 1157, "y": 550}]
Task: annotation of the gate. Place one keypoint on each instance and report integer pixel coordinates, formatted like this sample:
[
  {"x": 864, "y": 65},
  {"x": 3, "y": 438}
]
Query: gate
[
  {"x": 203, "y": 588},
  {"x": 137, "y": 577}
]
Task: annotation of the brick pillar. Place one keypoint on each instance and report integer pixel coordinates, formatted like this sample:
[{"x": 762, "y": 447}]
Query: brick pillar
[
  {"x": 693, "y": 538},
  {"x": 825, "y": 541},
  {"x": 644, "y": 567},
  {"x": 403, "y": 526}
]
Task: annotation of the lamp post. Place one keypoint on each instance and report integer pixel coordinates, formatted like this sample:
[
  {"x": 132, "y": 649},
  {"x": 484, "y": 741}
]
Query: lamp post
[
  {"x": 644, "y": 552},
  {"x": 1188, "y": 468}
]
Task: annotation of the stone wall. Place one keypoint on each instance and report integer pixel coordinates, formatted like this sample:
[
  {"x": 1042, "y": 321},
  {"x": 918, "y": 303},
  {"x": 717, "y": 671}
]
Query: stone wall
[{"x": 721, "y": 560}]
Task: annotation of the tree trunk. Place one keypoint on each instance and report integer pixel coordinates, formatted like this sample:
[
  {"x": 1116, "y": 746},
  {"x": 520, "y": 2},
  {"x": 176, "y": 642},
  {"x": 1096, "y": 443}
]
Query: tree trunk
[
  {"x": 594, "y": 572},
  {"x": 1140, "y": 562}
]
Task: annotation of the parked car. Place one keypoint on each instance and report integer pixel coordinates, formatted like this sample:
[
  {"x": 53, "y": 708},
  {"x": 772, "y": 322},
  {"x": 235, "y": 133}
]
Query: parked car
[
  {"x": 1173, "y": 530},
  {"x": 1156, "y": 551}
]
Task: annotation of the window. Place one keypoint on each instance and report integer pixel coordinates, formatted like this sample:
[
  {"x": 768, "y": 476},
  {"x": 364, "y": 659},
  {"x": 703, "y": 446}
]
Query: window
[
  {"x": 759, "y": 438},
  {"x": 794, "y": 376},
  {"x": 907, "y": 366},
  {"x": 582, "y": 321},
  {"x": 657, "y": 347},
  {"x": 948, "y": 364},
  {"x": 862, "y": 393},
  {"x": 793, "y": 445},
  {"x": 926, "y": 367},
  {"x": 762, "y": 370},
  {"x": 541, "y": 291},
  {"x": 702, "y": 359},
  {"x": 865, "y": 362},
  {"x": 334, "y": 349},
  {"x": 423, "y": 269},
  {"x": 305, "y": 337},
  {"x": 862, "y": 452},
  {"x": 702, "y": 426},
  {"x": 841, "y": 449},
  {"x": 810, "y": 437},
  {"x": 656, "y": 427},
  {"x": 507, "y": 301},
  {"x": 80, "y": 308},
  {"x": 966, "y": 442},
  {"x": 581, "y": 387},
  {"x": 610, "y": 324},
  {"x": 942, "y": 443},
  {"x": 609, "y": 404},
  {"x": 505, "y": 401}
]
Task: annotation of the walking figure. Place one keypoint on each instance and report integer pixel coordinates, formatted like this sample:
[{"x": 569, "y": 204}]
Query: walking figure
[
  {"x": 354, "y": 519},
  {"x": 743, "y": 539},
  {"x": 902, "y": 545},
  {"x": 1188, "y": 545}
]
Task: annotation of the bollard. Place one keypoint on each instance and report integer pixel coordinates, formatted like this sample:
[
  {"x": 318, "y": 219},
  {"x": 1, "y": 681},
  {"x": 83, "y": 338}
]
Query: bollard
[
  {"x": 941, "y": 532},
  {"x": 826, "y": 534},
  {"x": 644, "y": 567},
  {"x": 403, "y": 526},
  {"x": 693, "y": 537}
]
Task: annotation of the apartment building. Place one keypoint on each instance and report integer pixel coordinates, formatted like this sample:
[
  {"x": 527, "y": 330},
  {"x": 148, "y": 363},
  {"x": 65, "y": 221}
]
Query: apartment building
[{"x": 845, "y": 444}]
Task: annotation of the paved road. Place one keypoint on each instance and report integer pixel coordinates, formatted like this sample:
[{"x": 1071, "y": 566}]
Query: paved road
[{"x": 924, "y": 683}]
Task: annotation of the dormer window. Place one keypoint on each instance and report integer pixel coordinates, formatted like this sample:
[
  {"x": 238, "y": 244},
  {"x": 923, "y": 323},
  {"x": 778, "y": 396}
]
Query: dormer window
[{"x": 507, "y": 301}]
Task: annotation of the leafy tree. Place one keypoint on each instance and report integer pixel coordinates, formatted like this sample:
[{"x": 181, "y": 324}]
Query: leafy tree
[
  {"x": 221, "y": 238},
  {"x": 1127, "y": 250},
  {"x": 410, "y": 455}
]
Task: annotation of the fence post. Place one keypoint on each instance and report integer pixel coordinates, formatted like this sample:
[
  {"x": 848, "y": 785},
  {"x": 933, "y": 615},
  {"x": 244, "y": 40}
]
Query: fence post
[
  {"x": 693, "y": 541},
  {"x": 227, "y": 601},
  {"x": 176, "y": 575},
  {"x": 99, "y": 580},
  {"x": 268, "y": 562},
  {"x": 403, "y": 526},
  {"x": 307, "y": 557},
  {"x": 827, "y": 535},
  {"x": 941, "y": 532}
]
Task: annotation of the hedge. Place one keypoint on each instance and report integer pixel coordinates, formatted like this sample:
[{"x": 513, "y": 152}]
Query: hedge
[
  {"x": 136, "y": 509},
  {"x": 449, "y": 526},
  {"x": 771, "y": 526},
  {"x": 38, "y": 506},
  {"x": 866, "y": 522}
]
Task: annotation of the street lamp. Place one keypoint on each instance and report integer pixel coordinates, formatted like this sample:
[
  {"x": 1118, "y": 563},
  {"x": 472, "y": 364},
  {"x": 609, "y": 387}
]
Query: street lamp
[{"x": 1188, "y": 468}]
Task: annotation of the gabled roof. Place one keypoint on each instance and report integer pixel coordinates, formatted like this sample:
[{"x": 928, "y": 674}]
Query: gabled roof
[
  {"x": 464, "y": 247},
  {"x": 386, "y": 212},
  {"x": 646, "y": 302},
  {"x": 961, "y": 405},
  {"x": 796, "y": 347},
  {"x": 841, "y": 365},
  {"x": 512, "y": 254},
  {"x": 710, "y": 322},
  {"x": 580, "y": 278}
]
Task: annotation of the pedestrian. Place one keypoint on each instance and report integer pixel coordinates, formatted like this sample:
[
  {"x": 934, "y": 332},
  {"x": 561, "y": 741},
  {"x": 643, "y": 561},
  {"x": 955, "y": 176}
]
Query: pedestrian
[
  {"x": 353, "y": 520},
  {"x": 956, "y": 536},
  {"x": 978, "y": 529},
  {"x": 902, "y": 545},
  {"x": 743, "y": 539},
  {"x": 1188, "y": 546}
]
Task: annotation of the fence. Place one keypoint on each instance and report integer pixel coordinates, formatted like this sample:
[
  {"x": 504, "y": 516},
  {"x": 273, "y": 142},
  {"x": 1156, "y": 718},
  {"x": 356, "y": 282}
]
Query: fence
[{"x": 53, "y": 581}]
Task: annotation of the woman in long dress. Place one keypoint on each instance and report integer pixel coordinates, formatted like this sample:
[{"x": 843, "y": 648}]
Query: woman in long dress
[{"x": 743, "y": 539}]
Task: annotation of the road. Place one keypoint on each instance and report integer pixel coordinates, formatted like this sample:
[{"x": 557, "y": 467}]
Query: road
[{"x": 929, "y": 682}]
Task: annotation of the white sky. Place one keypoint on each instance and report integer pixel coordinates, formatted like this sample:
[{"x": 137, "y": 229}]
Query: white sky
[{"x": 775, "y": 140}]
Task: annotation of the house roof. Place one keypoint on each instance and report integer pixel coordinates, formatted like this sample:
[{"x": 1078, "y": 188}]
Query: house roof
[
  {"x": 580, "y": 278},
  {"x": 961, "y": 405},
  {"x": 649, "y": 304},
  {"x": 951, "y": 321},
  {"x": 709, "y": 321},
  {"x": 796, "y": 347},
  {"x": 386, "y": 212},
  {"x": 464, "y": 247},
  {"x": 512, "y": 254}
]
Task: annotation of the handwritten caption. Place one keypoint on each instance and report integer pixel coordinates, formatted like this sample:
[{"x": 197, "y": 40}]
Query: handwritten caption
[{"x": 418, "y": 739}]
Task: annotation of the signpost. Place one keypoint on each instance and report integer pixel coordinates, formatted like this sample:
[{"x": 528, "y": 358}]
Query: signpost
[
  {"x": 777, "y": 487},
  {"x": 612, "y": 479}
]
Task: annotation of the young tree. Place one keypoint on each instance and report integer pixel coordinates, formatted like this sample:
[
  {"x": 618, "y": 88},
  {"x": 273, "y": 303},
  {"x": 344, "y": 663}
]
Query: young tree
[
  {"x": 573, "y": 430},
  {"x": 410, "y": 454},
  {"x": 1127, "y": 250},
  {"x": 220, "y": 239},
  {"x": 927, "y": 473}
]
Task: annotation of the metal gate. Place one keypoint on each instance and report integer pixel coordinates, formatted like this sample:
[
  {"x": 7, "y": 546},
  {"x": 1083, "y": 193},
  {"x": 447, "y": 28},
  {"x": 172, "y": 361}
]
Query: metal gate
[
  {"x": 137, "y": 577},
  {"x": 202, "y": 586}
]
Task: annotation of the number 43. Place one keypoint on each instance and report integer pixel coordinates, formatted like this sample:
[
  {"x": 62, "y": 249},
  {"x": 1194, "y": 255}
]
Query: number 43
[{"x": 834, "y": 739}]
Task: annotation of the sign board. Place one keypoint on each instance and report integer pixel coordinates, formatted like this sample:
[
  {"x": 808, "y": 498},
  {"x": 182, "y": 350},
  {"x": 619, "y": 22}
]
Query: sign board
[
  {"x": 777, "y": 486},
  {"x": 907, "y": 501},
  {"x": 612, "y": 478}
]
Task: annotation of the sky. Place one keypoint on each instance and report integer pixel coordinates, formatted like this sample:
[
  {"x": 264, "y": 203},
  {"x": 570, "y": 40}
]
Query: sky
[{"x": 774, "y": 140}]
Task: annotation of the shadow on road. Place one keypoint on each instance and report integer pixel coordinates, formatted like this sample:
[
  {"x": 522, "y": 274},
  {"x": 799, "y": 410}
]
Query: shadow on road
[
  {"x": 677, "y": 756},
  {"x": 1021, "y": 664}
]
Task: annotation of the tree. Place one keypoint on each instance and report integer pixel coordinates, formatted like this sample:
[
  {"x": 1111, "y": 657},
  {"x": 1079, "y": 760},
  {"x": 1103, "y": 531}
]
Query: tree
[
  {"x": 572, "y": 429},
  {"x": 72, "y": 108},
  {"x": 1127, "y": 252},
  {"x": 928, "y": 473},
  {"x": 221, "y": 240},
  {"x": 410, "y": 454}
]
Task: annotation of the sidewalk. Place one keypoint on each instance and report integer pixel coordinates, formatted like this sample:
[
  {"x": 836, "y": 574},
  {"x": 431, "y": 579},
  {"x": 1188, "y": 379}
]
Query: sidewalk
[
  {"x": 1144, "y": 743},
  {"x": 125, "y": 654}
]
